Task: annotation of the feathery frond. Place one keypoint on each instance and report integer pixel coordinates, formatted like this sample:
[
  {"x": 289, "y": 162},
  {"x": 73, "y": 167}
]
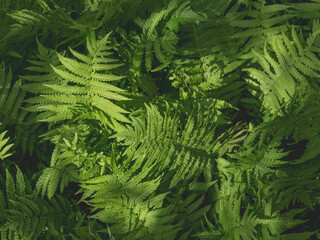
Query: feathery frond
[
  {"x": 281, "y": 77},
  {"x": 82, "y": 85},
  {"x": 28, "y": 217},
  {"x": 4, "y": 147},
  {"x": 158, "y": 143},
  {"x": 131, "y": 206}
]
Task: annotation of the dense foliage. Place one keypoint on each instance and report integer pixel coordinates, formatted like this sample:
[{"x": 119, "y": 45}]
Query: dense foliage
[{"x": 160, "y": 119}]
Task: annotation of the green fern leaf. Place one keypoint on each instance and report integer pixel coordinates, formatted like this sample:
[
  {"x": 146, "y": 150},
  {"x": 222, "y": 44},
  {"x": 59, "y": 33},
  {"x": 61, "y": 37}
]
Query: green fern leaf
[
  {"x": 84, "y": 85},
  {"x": 131, "y": 207},
  {"x": 185, "y": 154},
  {"x": 4, "y": 147},
  {"x": 281, "y": 77}
]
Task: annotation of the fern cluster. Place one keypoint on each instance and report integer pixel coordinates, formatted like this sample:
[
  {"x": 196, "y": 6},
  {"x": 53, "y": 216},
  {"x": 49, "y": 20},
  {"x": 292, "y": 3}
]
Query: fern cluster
[{"x": 163, "y": 119}]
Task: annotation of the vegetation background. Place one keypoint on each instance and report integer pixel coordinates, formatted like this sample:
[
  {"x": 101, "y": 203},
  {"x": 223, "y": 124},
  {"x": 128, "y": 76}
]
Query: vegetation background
[{"x": 159, "y": 119}]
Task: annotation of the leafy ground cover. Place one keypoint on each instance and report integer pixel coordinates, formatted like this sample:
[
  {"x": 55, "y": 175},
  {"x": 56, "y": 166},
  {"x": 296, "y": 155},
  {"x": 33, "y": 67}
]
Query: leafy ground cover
[{"x": 165, "y": 119}]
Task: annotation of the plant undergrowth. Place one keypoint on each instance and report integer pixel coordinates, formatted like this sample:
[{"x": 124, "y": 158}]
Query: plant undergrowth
[{"x": 165, "y": 119}]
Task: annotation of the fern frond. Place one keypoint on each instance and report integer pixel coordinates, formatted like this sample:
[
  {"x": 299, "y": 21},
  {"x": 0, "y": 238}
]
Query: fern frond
[
  {"x": 11, "y": 102},
  {"x": 4, "y": 147},
  {"x": 163, "y": 44},
  {"x": 84, "y": 85},
  {"x": 261, "y": 162},
  {"x": 72, "y": 160},
  {"x": 307, "y": 9},
  {"x": 29, "y": 217},
  {"x": 192, "y": 207},
  {"x": 233, "y": 225},
  {"x": 131, "y": 206},
  {"x": 11, "y": 99},
  {"x": 28, "y": 17},
  {"x": 300, "y": 125},
  {"x": 280, "y": 78},
  {"x": 48, "y": 181},
  {"x": 157, "y": 143},
  {"x": 184, "y": 14},
  {"x": 298, "y": 186},
  {"x": 136, "y": 76},
  {"x": 261, "y": 22}
]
